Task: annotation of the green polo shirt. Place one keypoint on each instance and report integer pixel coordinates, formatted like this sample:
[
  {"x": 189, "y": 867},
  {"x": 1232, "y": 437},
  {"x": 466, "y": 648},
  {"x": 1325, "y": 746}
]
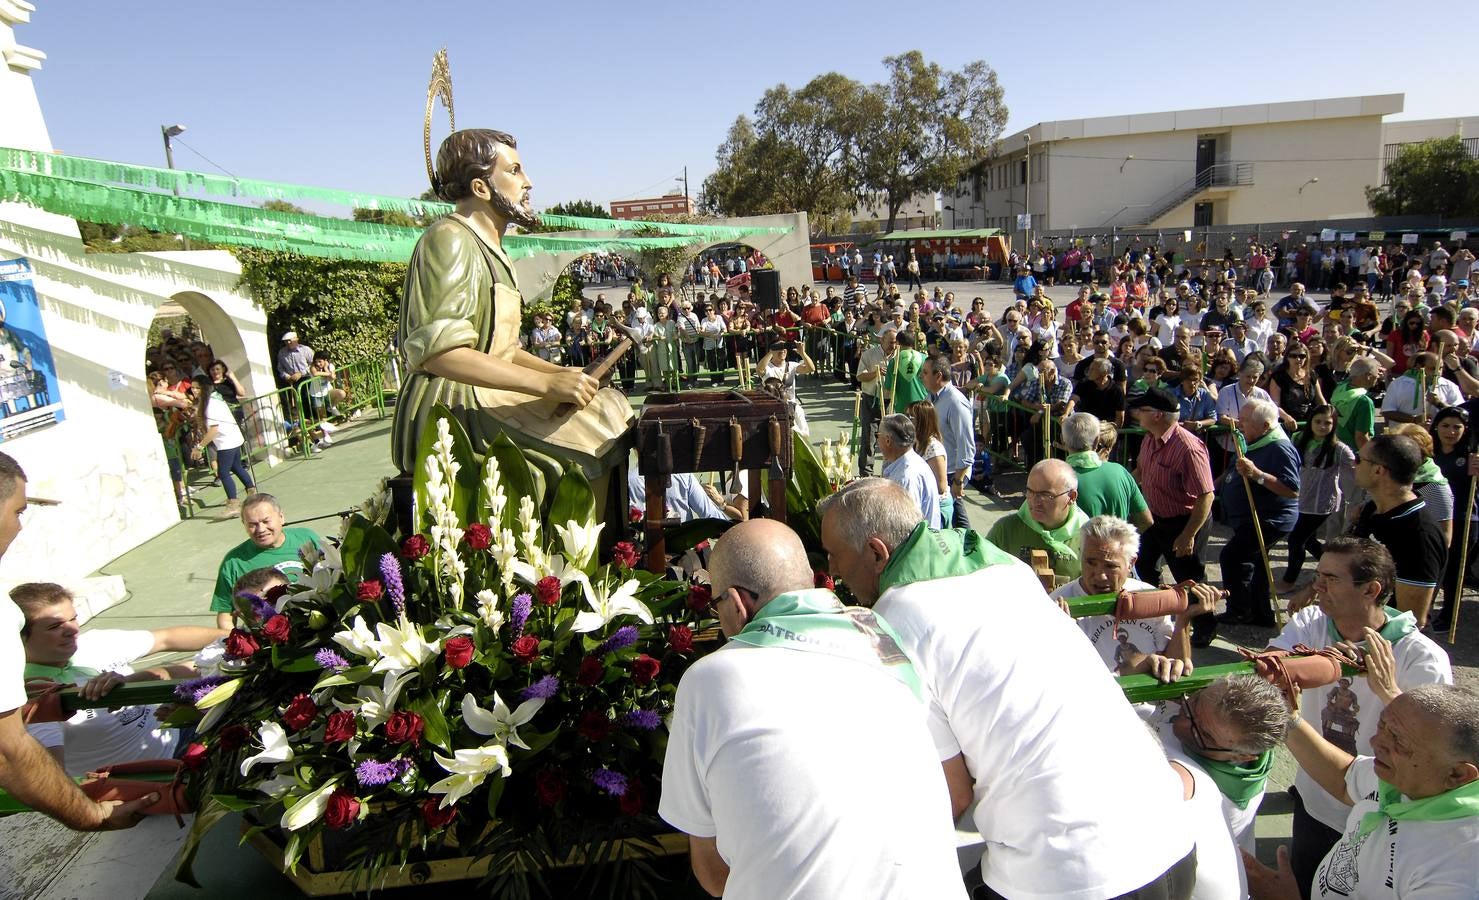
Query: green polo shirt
[
  {"x": 1109, "y": 490},
  {"x": 246, "y": 556}
]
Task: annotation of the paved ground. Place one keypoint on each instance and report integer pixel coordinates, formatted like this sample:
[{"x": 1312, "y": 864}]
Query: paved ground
[{"x": 169, "y": 581}]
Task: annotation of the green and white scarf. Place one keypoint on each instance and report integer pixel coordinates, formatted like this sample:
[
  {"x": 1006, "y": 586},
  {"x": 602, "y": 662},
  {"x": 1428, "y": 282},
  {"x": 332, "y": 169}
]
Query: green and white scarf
[
  {"x": 815, "y": 621},
  {"x": 1344, "y": 399},
  {"x": 1061, "y": 540},
  {"x": 1085, "y": 460},
  {"x": 1276, "y": 433},
  {"x": 928, "y": 554},
  {"x": 1459, "y": 803},
  {"x": 1429, "y": 473},
  {"x": 1398, "y": 626}
]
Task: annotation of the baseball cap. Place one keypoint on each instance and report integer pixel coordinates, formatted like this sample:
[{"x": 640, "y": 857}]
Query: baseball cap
[
  {"x": 1156, "y": 398},
  {"x": 290, "y": 336}
]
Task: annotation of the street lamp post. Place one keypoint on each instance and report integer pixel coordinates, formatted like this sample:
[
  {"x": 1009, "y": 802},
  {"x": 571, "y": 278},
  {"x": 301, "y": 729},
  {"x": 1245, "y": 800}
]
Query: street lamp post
[
  {"x": 173, "y": 131},
  {"x": 1027, "y": 194}
]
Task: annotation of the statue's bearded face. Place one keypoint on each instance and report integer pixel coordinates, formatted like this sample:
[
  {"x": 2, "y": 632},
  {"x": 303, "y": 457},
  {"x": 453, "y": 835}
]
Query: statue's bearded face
[{"x": 510, "y": 189}]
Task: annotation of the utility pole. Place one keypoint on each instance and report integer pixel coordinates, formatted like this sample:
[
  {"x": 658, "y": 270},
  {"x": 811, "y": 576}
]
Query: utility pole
[
  {"x": 687, "y": 204},
  {"x": 1027, "y": 195},
  {"x": 170, "y": 131}
]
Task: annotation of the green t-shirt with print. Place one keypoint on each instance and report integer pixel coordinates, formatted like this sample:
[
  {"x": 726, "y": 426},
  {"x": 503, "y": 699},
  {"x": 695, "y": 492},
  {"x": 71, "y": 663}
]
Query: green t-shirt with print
[
  {"x": 246, "y": 556},
  {"x": 995, "y": 402}
]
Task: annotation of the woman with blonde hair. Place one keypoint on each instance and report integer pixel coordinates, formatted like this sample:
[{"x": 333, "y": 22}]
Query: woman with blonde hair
[{"x": 928, "y": 444}]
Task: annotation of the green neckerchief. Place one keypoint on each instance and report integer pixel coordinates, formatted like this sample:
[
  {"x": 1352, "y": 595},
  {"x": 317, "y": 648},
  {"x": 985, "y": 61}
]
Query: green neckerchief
[
  {"x": 1419, "y": 378},
  {"x": 1088, "y": 459},
  {"x": 1399, "y": 625},
  {"x": 67, "y": 674},
  {"x": 1060, "y": 540},
  {"x": 1238, "y": 782},
  {"x": 1275, "y": 433},
  {"x": 1344, "y": 399},
  {"x": 1429, "y": 473},
  {"x": 1459, "y": 803},
  {"x": 928, "y": 554},
  {"x": 815, "y": 621}
]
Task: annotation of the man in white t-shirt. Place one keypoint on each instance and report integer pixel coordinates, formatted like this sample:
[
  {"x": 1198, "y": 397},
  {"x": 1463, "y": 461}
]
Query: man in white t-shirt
[
  {"x": 1418, "y": 396},
  {"x": 798, "y": 761},
  {"x": 1412, "y": 808},
  {"x": 1354, "y": 576},
  {"x": 1022, "y": 711},
  {"x": 1108, "y": 548},
  {"x": 27, "y": 771},
  {"x": 97, "y": 662},
  {"x": 906, "y": 468}
]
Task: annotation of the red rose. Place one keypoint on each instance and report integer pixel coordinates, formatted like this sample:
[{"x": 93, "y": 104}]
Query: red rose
[
  {"x": 368, "y": 591},
  {"x": 459, "y": 651},
  {"x": 701, "y": 546},
  {"x": 277, "y": 629},
  {"x": 593, "y": 725},
  {"x": 822, "y": 580},
  {"x": 644, "y": 669},
  {"x": 300, "y": 713},
  {"x": 434, "y": 815},
  {"x": 339, "y": 727},
  {"x": 700, "y": 597},
  {"x": 274, "y": 593},
  {"x": 634, "y": 515},
  {"x": 415, "y": 547},
  {"x": 591, "y": 672},
  {"x": 233, "y": 736},
  {"x": 342, "y": 811},
  {"x": 680, "y": 638},
  {"x": 240, "y": 644},
  {"x": 195, "y": 755},
  {"x": 547, "y": 589},
  {"x": 549, "y": 786},
  {"x": 478, "y": 536},
  {"x": 404, "y": 728},
  {"x": 624, "y": 555},
  {"x": 526, "y": 649},
  {"x": 632, "y": 801}
]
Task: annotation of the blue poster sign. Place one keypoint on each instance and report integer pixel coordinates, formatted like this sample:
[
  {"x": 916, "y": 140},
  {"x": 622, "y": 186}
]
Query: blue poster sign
[{"x": 30, "y": 396}]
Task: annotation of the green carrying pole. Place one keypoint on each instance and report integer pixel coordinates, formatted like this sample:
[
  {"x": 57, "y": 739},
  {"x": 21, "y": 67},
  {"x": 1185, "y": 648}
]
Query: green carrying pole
[
  {"x": 136, "y": 693},
  {"x": 1146, "y": 689},
  {"x": 9, "y": 805}
]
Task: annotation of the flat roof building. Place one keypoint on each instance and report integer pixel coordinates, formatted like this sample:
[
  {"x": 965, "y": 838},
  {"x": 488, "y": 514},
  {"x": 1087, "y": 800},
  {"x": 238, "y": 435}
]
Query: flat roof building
[{"x": 647, "y": 207}]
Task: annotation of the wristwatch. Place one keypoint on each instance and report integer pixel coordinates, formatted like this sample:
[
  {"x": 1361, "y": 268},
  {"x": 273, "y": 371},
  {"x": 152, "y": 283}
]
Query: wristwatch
[{"x": 1262, "y": 477}]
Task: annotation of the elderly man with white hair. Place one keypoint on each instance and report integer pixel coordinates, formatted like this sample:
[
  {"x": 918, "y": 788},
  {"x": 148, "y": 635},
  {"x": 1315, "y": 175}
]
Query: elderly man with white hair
[
  {"x": 1270, "y": 466},
  {"x": 1104, "y": 487},
  {"x": 1049, "y": 519},
  {"x": 906, "y": 468},
  {"x": 1232, "y": 399}
]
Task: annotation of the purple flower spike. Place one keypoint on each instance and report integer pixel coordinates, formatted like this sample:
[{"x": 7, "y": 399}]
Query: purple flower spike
[
  {"x": 261, "y": 609},
  {"x": 395, "y": 588},
  {"x": 328, "y": 659},
  {"x": 191, "y": 691},
  {"x": 625, "y": 636},
  {"x": 373, "y": 773},
  {"x": 613, "y": 783},
  {"x": 543, "y": 689},
  {"x": 518, "y": 614},
  {"x": 642, "y": 720}
]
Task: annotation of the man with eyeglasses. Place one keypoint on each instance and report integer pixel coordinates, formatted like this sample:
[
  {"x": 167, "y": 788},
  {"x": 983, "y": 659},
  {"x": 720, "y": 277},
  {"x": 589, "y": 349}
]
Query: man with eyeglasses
[
  {"x": 773, "y": 757},
  {"x": 1048, "y": 519},
  {"x": 1353, "y": 582},
  {"x": 1102, "y": 350}
]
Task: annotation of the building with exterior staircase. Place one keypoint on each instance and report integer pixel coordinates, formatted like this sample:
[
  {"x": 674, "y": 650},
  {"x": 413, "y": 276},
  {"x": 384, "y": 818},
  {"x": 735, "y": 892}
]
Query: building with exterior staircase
[{"x": 1268, "y": 162}]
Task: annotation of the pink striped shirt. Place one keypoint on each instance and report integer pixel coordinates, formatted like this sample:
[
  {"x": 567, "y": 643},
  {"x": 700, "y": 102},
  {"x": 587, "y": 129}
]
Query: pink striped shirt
[{"x": 1174, "y": 472}]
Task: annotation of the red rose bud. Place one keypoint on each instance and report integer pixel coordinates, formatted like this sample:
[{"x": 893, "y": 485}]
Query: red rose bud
[
  {"x": 434, "y": 815},
  {"x": 526, "y": 649},
  {"x": 300, "y": 713},
  {"x": 478, "y": 536},
  {"x": 342, "y": 811},
  {"x": 195, "y": 755},
  {"x": 275, "y": 593},
  {"x": 700, "y": 598},
  {"x": 547, "y": 590},
  {"x": 232, "y": 737},
  {"x": 634, "y": 515},
  {"x": 415, "y": 547},
  {"x": 459, "y": 651},
  {"x": 368, "y": 591},
  {"x": 624, "y": 554},
  {"x": 680, "y": 638},
  {"x": 632, "y": 801},
  {"x": 591, "y": 672},
  {"x": 644, "y": 669},
  {"x": 404, "y": 728},
  {"x": 277, "y": 629},
  {"x": 822, "y": 580},
  {"x": 549, "y": 786},
  {"x": 339, "y": 727},
  {"x": 701, "y": 546},
  {"x": 240, "y": 644},
  {"x": 593, "y": 725}
]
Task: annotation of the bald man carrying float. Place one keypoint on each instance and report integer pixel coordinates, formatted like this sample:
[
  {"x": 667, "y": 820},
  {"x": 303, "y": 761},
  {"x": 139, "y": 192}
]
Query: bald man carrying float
[{"x": 799, "y": 763}]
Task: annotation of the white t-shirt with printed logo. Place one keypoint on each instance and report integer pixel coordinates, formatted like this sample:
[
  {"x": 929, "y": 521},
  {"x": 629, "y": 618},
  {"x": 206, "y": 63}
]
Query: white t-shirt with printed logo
[
  {"x": 1140, "y": 635},
  {"x": 94, "y": 738},
  {"x": 1345, "y": 713},
  {"x": 1408, "y": 860}
]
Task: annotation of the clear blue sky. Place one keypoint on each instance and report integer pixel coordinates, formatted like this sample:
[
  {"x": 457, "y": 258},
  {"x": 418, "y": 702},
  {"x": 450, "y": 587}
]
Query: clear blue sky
[{"x": 610, "y": 100}]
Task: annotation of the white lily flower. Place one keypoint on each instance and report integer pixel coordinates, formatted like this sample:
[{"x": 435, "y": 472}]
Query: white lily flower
[
  {"x": 403, "y": 647},
  {"x": 275, "y": 747},
  {"x": 604, "y": 607},
  {"x": 469, "y": 768},
  {"x": 309, "y": 808},
  {"x": 552, "y": 564},
  {"x": 359, "y": 639},
  {"x": 278, "y": 785},
  {"x": 499, "y": 722},
  {"x": 580, "y": 541},
  {"x": 375, "y": 704},
  {"x": 488, "y": 609}
]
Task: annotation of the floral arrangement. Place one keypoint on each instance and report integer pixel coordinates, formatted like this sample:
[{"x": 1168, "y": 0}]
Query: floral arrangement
[
  {"x": 838, "y": 462},
  {"x": 487, "y": 683}
]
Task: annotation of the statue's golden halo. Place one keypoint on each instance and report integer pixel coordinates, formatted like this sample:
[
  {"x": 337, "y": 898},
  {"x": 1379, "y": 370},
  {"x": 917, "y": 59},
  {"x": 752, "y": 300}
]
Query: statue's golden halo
[{"x": 440, "y": 86}]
